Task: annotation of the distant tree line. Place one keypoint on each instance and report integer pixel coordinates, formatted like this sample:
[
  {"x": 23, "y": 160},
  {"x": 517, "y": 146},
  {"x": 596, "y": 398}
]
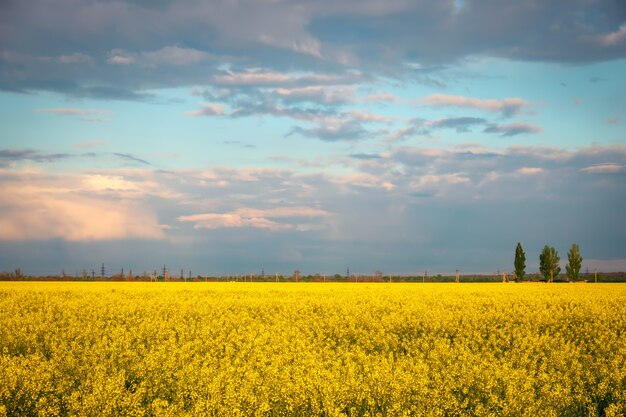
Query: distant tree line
[{"x": 549, "y": 271}]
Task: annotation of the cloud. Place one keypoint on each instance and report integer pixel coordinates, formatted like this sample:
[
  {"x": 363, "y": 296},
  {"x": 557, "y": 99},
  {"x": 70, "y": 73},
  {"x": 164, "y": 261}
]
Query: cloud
[
  {"x": 208, "y": 109},
  {"x": 239, "y": 143},
  {"x": 340, "y": 131},
  {"x": 120, "y": 57},
  {"x": 235, "y": 44},
  {"x": 66, "y": 111},
  {"x": 254, "y": 218},
  {"x": 284, "y": 80},
  {"x": 317, "y": 94},
  {"x": 131, "y": 158},
  {"x": 507, "y": 106},
  {"x": 365, "y": 156},
  {"x": 174, "y": 55},
  {"x": 612, "y": 39},
  {"x": 368, "y": 211},
  {"x": 614, "y": 120},
  {"x": 605, "y": 168},
  {"x": 365, "y": 116},
  {"x": 8, "y": 156},
  {"x": 529, "y": 170},
  {"x": 513, "y": 129},
  {"x": 460, "y": 124},
  {"x": 431, "y": 180},
  {"x": 75, "y": 58},
  {"x": 324, "y": 120},
  {"x": 48, "y": 206},
  {"x": 404, "y": 133}
]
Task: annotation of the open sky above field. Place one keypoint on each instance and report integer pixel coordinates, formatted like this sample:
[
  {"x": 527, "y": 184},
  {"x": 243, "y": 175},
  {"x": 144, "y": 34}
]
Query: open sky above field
[{"x": 235, "y": 136}]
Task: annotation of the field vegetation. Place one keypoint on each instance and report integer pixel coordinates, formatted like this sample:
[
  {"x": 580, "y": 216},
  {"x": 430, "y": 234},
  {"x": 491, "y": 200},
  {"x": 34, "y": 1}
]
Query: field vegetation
[{"x": 282, "y": 349}]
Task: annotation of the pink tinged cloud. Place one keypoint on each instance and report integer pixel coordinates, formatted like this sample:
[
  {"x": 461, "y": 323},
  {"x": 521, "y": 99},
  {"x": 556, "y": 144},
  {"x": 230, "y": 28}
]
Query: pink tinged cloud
[
  {"x": 322, "y": 94},
  {"x": 614, "y": 38},
  {"x": 121, "y": 60},
  {"x": 40, "y": 214},
  {"x": 281, "y": 79},
  {"x": 67, "y": 111},
  {"x": 120, "y": 57},
  {"x": 508, "y": 106},
  {"x": 254, "y": 218},
  {"x": 529, "y": 171},
  {"x": 608, "y": 168},
  {"x": 208, "y": 109},
  {"x": 614, "y": 121}
]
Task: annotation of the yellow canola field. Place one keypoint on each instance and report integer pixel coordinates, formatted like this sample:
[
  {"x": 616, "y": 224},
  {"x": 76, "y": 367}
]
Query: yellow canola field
[{"x": 242, "y": 349}]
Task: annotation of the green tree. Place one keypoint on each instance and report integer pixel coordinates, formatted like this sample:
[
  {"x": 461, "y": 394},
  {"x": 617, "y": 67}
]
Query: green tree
[
  {"x": 520, "y": 263},
  {"x": 575, "y": 262},
  {"x": 549, "y": 263}
]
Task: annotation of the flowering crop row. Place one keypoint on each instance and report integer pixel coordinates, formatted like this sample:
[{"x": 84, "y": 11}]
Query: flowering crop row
[{"x": 235, "y": 349}]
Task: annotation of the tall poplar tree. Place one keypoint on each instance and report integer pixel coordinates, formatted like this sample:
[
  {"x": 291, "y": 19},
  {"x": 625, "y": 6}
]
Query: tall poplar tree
[
  {"x": 549, "y": 263},
  {"x": 575, "y": 262},
  {"x": 520, "y": 263}
]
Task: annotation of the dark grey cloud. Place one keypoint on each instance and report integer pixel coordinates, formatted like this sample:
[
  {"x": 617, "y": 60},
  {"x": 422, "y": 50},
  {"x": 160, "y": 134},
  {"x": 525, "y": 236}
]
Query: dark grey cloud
[
  {"x": 131, "y": 158},
  {"x": 319, "y": 106},
  {"x": 423, "y": 127},
  {"x": 8, "y": 156},
  {"x": 124, "y": 50},
  {"x": 512, "y": 129},
  {"x": 365, "y": 156},
  {"x": 460, "y": 124}
]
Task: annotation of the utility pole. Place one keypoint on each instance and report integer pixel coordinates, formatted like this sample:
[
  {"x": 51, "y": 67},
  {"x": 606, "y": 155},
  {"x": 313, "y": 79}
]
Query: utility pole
[
  {"x": 348, "y": 274},
  {"x": 102, "y": 271},
  {"x": 276, "y": 276},
  {"x": 458, "y": 278}
]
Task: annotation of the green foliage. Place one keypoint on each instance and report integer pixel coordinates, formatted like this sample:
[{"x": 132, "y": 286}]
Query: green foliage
[
  {"x": 520, "y": 263},
  {"x": 549, "y": 263},
  {"x": 575, "y": 262}
]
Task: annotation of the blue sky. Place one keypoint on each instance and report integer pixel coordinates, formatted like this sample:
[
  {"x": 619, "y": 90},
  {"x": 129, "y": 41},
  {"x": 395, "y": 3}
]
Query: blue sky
[{"x": 234, "y": 136}]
